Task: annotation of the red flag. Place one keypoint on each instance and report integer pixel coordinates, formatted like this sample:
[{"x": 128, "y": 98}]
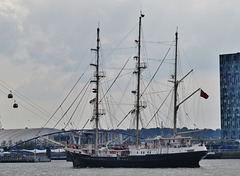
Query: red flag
[{"x": 203, "y": 94}]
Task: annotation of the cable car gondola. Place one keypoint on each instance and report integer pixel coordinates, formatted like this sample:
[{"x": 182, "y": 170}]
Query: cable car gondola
[
  {"x": 10, "y": 95},
  {"x": 15, "y": 105}
]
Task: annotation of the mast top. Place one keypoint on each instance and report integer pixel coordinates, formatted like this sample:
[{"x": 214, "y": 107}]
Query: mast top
[
  {"x": 176, "y": 34},
  {"x": 141, "y": 14}
]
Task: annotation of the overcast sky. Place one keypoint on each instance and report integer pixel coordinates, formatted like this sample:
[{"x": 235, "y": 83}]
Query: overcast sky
[{"x": 42, "y": 43}]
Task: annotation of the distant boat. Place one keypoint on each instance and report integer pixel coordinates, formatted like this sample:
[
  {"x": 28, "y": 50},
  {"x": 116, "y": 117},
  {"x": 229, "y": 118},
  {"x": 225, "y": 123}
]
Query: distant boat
[{"x": 157, "y": 152}]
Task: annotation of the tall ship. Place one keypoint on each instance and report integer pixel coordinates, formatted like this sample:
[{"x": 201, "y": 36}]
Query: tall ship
[{"x": 158, "y": 152}]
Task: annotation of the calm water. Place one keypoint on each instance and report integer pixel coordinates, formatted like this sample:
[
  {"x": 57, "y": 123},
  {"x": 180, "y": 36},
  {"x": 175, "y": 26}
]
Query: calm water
[{"x": 60, "y": 168}]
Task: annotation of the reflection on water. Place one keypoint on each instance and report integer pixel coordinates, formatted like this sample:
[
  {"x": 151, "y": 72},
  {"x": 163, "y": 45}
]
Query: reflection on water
[{"x": 208, "y": 168}]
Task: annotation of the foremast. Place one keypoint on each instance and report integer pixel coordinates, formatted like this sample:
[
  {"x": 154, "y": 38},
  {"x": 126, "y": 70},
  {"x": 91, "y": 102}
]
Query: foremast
[{"x": 97, "y": 74}]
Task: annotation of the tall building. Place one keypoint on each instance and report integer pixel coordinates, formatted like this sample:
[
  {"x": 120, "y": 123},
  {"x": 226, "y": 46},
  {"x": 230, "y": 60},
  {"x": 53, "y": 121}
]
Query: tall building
[{"x": 230, "y": 95}]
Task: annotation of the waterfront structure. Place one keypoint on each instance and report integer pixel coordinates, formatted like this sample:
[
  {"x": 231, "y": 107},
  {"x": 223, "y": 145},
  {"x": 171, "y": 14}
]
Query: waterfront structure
[
  {"x": 9, "y": 137},
  {"x": 230, "y": 95}
]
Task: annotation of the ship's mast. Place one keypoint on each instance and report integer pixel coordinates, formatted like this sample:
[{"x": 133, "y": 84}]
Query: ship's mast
[
  {"x": 97, "y": 87},
  {"x": 96, "y": 90},
  {"x": 176, "y": 83},
  {"x": 175, "y": 89},
  {"x": 138, "y": 81}
]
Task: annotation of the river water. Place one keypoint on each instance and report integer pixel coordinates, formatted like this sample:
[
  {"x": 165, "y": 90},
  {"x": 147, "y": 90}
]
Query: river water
[{"x": 63, "y": 168}]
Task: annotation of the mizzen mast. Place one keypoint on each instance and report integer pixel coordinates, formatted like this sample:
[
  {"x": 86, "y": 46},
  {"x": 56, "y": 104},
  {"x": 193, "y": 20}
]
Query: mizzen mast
[{"x": 176, "y": 83}]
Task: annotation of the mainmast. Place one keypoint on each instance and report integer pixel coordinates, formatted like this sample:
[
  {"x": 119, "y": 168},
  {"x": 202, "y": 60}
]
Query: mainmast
[
  {"x": 138, "y": 80},
  {"x": 175, "y": 89}
]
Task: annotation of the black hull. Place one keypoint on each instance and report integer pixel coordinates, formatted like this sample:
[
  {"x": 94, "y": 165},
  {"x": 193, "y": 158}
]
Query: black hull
[{"x": 189, "y": 159}]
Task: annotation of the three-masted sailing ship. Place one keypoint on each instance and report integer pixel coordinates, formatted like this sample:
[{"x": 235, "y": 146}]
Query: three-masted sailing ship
[{"x": 157, "y": 152}]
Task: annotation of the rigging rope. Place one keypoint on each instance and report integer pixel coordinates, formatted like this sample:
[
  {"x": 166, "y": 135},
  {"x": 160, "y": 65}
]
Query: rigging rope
[
  {"x": 88, "y": 82},
  {"x": 159, "y": 108},
  {"x": 63, "y": 101},
  {"x": 125, "y": 117},
  {"x": 87, "y": 98},
  {"x": 157, "y": 70},
  {"x": 122, "y": 40},
  {"x": 114, "y": 80},
  {"x": 76, "y": 107},
  {"x": 120, "y": 102}
]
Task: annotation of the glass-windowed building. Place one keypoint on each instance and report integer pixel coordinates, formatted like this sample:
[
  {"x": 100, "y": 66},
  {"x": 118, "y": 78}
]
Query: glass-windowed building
[{"x": 230, "y": 95}]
